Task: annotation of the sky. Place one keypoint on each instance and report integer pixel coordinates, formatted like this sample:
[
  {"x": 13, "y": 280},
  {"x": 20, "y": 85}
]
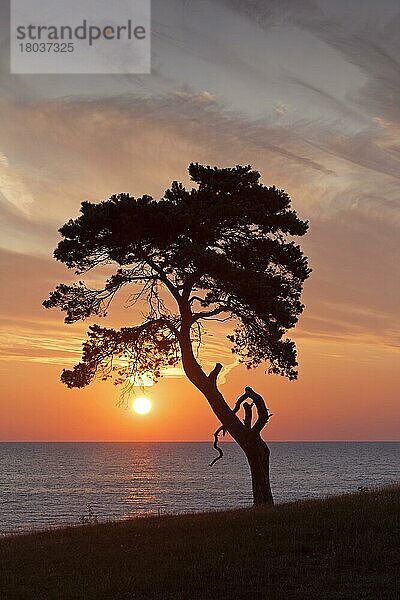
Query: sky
[{"x": 307, "y": 93}]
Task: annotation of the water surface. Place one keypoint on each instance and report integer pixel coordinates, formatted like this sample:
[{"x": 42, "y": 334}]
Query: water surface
[{"x": 46, "y": 484}]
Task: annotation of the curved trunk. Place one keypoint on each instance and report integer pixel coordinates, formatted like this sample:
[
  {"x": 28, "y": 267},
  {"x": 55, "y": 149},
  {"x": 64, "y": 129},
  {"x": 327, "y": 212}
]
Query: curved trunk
[{"x": 254, "y": 447}]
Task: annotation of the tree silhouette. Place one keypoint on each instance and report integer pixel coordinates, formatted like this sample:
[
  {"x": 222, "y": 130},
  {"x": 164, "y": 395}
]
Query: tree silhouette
[{"x": 221, "y": 251}]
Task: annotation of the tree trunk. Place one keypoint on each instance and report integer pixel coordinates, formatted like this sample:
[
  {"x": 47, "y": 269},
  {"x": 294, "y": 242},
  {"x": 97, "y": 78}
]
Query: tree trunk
[
  {"x": 256, "y": 450},
  {"x": 257, "y": 454}
]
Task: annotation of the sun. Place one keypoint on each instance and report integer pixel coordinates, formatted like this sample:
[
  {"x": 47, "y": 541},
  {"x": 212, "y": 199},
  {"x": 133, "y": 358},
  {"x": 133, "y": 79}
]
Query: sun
[{"x": 141, "y": 405}]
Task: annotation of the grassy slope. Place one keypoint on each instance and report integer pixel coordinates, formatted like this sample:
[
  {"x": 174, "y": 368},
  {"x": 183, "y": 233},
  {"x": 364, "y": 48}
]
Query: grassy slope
[{"x": 340, "y": 548}]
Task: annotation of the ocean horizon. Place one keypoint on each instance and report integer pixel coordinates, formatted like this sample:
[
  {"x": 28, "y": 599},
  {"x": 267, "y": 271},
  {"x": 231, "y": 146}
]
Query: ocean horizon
[{"x": 47, "y": 484}]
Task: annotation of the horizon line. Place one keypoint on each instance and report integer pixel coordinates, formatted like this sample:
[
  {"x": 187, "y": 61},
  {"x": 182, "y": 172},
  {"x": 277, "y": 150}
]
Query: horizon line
[{"x": 188, "y": 441}]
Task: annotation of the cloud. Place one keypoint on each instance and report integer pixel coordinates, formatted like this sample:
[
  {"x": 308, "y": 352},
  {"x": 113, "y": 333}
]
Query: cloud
[
  {"x": 352, "y": 294},
  {"x": 94, "y": 148},
  {"x": 371, "y": 46},
  {"x": 97, "y": 147},
  {"x": 12, "y": 186},
  {"x": 340, "y": 165},
  {"x": 274, "y": 12}
]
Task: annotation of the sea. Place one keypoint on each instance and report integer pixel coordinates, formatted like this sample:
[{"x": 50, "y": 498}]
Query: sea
[{"x": 44, "y": 485}]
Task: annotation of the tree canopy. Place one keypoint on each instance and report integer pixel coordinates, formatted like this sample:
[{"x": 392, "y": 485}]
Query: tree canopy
[{"x": 222, "y": 250}]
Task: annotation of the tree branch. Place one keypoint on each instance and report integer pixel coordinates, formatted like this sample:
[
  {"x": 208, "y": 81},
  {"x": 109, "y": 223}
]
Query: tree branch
[
  {"x": 248, "y": 414},
  {"x": 215, "y": 444},
  {"x": 213, "y": 375},
  {"x": 188, "y": 286},
  {"x": 196, "y": 299},
  {"x": 262, "y": 410},
  {"x": 209, "y": 313},
  {"x": 146, "y": 348},
  {"x": 239, "y": 402},
  {"x": 219, "y": 320},
  {"x": 247, "y": 408},
  {"x": 163, "y": 277}
]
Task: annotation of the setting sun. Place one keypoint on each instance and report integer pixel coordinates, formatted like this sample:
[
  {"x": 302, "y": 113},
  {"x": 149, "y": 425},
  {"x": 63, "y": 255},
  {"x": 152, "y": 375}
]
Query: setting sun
[{"x": 141, "y": 406}]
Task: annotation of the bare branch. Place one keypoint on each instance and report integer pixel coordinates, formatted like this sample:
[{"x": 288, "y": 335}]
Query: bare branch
[
  {"x": 209, "y": 313},
  {"x": 239, "y": 403},
  {"x": 219, "y": 320},
  {"x": 248, "y": 414},
  {"x": 196, "y": 299},
  {"x": 262, "y": 410},
  {"x": 213, "y": 376},
  {"x": 218, "y": 449}
]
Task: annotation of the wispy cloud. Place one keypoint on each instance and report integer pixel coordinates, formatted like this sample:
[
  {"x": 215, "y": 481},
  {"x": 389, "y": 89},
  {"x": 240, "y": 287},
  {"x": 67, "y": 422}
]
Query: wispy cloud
[
  {"x": 341, "y": 165},
  {"x": 12, "y": 186}
]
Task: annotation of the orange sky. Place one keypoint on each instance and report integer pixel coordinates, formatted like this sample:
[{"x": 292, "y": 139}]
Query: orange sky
[
  {"x": 294, "y": 93},
  {"x": 347, "y": 394},
  {"x": 346, "y": 388}
]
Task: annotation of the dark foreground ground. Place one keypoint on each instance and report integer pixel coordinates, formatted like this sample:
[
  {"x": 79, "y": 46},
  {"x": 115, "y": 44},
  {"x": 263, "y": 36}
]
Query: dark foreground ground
[{"x": 341, "y": 548}]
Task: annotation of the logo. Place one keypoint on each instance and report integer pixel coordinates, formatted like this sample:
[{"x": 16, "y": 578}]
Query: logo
[{"x": 80, "y": 36}]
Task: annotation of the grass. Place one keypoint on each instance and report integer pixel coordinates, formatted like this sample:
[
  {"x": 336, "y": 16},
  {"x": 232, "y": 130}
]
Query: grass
[{"x": 340, "y": 548}]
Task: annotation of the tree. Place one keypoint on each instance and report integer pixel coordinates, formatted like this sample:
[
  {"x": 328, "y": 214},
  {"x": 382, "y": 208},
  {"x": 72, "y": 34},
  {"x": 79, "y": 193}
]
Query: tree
[{"x": 221, "y": 251}]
